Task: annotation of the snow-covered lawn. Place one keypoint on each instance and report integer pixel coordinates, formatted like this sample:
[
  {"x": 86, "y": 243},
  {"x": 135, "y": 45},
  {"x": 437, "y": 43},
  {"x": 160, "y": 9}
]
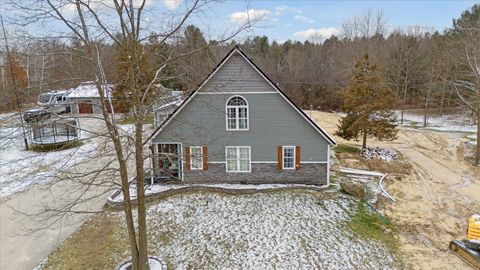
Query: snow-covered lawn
[
  {"x": 450, "y": 122},
  {"x": 20, "y": 169},
  {"x": 279, "y": 230}
]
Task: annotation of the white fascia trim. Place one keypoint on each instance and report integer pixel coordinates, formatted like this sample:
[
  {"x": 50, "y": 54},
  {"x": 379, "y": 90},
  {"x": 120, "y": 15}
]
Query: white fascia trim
[
  {"x": 193, "y": 95},
  {"x": 272, "y": 162},
  {"x": 321, "y": 131},
  {"x": 236, "y": 93},
  {"x": 166, "y": 143},
  {"x": 328, "y": 166}
]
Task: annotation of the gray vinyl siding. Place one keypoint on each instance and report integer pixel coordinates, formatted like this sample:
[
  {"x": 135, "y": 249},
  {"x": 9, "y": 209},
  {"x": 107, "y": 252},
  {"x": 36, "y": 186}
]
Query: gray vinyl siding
[
  {"x": 272, "y": 122},
  {"x": 237, "y": 75}
]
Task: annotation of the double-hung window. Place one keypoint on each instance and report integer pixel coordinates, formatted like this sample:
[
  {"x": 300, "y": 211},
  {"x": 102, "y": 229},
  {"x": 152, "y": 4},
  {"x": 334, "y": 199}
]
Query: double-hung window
[
  {"x": 196, "y": 155},
  {"x": 238, "y": 158},
  {"x": 288, "y": 157},
  {"x": 237, "y": 113}
]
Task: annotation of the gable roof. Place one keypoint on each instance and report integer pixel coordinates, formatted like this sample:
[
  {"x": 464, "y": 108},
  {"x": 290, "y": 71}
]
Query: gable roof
[{"x": 234, "y": 50}]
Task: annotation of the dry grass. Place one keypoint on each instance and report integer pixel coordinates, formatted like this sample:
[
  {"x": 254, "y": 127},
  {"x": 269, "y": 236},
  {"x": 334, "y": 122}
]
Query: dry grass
[
  {"x": 399, "y": 166},
  {"x": 92, "y": 246},
  {"x": 55, "y": 146}
]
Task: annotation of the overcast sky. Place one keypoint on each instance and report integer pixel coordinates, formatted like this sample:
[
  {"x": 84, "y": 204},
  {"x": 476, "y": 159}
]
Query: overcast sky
[{"x": 297, "y": 20}]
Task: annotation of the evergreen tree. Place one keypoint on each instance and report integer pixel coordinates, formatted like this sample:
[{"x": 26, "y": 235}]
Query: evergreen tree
[
  {"x": 367, "y": 101},
  {"x": 126, "y": 76}
]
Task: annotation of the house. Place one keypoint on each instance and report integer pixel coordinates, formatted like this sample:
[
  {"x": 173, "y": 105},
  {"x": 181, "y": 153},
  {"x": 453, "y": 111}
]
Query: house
[
  {"x": 239, "y": 127},
  {"x": 85, "y": 99},
  {"x": 166, "y": 106}
]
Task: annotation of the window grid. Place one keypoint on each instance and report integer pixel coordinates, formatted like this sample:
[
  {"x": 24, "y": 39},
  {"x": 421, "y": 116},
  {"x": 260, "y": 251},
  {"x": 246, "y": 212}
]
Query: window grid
[
  {"x": 196, "y": 158},
  {"x": 238, "y": 159},
  {"x": 237, "y": 113},
  {"x": 288, "y": 156}
]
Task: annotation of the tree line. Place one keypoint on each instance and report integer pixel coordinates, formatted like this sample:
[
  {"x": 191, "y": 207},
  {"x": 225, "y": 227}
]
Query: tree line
[
  {"x": 432, "y": 71},
  {"x": 416, "y": 64}
]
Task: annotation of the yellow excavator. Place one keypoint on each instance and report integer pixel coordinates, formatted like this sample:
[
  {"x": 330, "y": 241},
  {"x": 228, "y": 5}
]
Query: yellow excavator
[{"x": 469, "y": 249}]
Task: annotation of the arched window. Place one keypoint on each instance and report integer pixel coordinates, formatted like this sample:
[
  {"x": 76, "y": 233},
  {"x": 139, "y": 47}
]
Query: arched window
[{"x": 237, "y": 113}]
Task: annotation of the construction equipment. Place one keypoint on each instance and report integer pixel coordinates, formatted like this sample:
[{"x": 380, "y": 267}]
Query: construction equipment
[{"x": 469, "y": 249}]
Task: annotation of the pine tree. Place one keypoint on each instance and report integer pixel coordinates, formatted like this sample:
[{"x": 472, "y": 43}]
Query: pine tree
[
  {"x": 367, "y": 100},
  {"x": 124, "y": 75}
]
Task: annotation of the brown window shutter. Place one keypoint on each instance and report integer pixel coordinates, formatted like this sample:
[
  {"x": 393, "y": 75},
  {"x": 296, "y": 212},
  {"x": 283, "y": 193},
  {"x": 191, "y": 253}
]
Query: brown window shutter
[
  {"x": 280, "y": 159},
  {"x": 297, "y": 157},
  {"x": 187, "y": 158},
  {"x": 205, "y": 157}
]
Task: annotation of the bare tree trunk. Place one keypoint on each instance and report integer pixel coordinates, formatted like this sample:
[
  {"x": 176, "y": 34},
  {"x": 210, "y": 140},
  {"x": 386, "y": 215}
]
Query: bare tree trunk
[
  {"x": 364, "y": 143},
  {"x": 425, "y": 114},
  {"x": 28, "y": 72},
  {"x": 442, "y": 99},
  {"x": 477, "y": 154},
  {"x": 41, "y": 75},
  {"x": 427, "y": 100},
  {"x": 405, "y": 82},
  {"x": 142, "y": 215}
]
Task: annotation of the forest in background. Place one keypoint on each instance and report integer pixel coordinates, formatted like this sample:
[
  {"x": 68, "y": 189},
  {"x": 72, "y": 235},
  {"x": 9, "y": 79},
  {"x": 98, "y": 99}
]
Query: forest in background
[{"x": 421, "y": 67}]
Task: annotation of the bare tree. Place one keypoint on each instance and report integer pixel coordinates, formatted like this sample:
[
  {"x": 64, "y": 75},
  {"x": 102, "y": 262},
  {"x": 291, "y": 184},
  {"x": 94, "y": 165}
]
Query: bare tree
[
  {"x": 465, "y": 35},
  {"x": 122, "y": 23}
]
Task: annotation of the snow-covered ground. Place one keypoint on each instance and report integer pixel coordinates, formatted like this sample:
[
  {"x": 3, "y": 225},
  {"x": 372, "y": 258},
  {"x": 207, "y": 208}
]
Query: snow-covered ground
[
  {"x": 281, "y": 230},
  {"x": 451, "y": 122},
  {"x": 456, "y": 123},
  {"x": 20, "y": 169}
]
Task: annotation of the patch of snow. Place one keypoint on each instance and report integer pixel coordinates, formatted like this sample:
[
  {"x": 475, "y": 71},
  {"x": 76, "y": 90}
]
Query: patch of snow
[
  {"x": 129, "y": 128},
  {"x": 450, "y": 123},
  {"x": 284, "y": 230},
  {"x": 472, "y": 139},
  {"x": 379, "y": 153},
  {"x": 20, "y": 169},
  {"x": 153, "y": 262}
]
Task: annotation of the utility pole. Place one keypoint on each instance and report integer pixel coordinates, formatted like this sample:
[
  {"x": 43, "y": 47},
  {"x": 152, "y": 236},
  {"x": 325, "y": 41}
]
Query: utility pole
[{"x": 14, "y": 84}]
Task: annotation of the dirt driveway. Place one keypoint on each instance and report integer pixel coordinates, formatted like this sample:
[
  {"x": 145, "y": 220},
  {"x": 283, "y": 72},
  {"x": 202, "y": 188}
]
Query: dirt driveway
[{"x": 435, "y": 200}]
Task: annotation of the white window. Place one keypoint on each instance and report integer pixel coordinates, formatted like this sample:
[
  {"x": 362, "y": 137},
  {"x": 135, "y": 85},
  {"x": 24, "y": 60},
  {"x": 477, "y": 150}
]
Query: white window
[
  {"x": 238, "y": 158},
  {"x": 288, "y": 156},
  {"x": 196, "y": 158},
  {"x": 237, "y": 113}
]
